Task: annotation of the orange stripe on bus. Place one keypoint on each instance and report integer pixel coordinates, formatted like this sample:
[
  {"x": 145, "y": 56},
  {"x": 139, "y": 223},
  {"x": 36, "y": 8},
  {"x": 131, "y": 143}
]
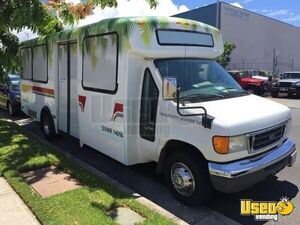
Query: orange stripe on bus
[{"x": 43, "y": 90}]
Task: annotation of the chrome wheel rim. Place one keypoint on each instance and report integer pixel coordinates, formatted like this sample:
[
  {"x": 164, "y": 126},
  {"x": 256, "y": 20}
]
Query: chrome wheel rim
[
  {"x": 10, "y": 109},
  {"x": 46, "y": 127},
  {"x": 182, "y": 179}
]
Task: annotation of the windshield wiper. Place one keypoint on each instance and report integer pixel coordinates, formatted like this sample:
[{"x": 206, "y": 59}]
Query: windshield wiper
[{"x": 201, "y": 96}]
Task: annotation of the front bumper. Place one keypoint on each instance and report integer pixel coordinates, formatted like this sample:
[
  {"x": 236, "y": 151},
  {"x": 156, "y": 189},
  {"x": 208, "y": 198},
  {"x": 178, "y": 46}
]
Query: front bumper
[
  {"x": 288, "y": 90},
  {"x": 239, "y": 175}
]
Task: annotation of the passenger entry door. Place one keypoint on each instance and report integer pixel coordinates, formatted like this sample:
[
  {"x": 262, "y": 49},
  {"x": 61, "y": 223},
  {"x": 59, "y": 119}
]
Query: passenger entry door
[
  {"x": 63, "y": 76},
  {"x": 67, "y": 89}
]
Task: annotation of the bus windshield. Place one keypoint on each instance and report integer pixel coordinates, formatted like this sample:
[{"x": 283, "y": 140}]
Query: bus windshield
[{"x": 200, "y": 79}]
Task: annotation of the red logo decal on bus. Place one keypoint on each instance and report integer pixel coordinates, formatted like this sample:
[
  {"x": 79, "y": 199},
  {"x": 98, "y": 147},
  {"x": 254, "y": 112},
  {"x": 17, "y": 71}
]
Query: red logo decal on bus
[
  {"x": 118, "y": 111},
  {"x": 81, "y": 102}
]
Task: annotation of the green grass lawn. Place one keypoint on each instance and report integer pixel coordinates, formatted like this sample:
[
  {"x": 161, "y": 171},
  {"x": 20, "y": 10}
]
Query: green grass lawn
[{"x": 20, "y": 152}]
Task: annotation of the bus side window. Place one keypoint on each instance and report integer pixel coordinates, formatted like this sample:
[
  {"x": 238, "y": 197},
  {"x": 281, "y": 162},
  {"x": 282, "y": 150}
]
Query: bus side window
[{"x": 149, "y": 104}]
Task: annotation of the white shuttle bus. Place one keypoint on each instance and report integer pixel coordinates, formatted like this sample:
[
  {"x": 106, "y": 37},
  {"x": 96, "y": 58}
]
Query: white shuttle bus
[{"x": 149, "y": 89}]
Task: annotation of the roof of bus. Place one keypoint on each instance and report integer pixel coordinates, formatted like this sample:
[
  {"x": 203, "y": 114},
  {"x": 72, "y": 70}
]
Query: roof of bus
[{"x": 123, "y": 26}]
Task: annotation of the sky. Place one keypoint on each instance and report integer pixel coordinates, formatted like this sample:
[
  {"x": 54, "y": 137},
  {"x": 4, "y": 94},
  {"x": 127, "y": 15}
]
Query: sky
[{"x": 284, "y": 10}]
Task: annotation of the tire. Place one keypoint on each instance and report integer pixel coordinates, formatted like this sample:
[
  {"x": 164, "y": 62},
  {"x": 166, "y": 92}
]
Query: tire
[
  {"x": 261, "y": 91},
  {"x": 10, "y": 109},
  {"x": 274, "y": 94},
  {"x": 251, "y": 90},
  {"x": 298, "y": 92},
  {"x": 47, "y": 126},
  {"x": 194, "y": 170}
]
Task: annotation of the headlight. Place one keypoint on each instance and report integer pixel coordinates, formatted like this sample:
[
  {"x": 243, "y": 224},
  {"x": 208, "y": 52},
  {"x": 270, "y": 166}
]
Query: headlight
[
  {"x": 275, "y": 84},
  {"x": 225, "y": 145},
  {"x": 287, "y": 128},
  {"x": 238, "y": 143},
  {"x": 296, "y": 84}
]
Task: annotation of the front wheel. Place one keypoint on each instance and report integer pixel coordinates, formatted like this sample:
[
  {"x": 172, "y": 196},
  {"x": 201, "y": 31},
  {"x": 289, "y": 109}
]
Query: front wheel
[
  {"x": 298, "y": 93},
  {"x": 47, "y": 125},
  {"x": 188, "y": 179},
  {"x": 251, "y": 90},
  {"x": 290, "y": 95},
  {"x": 274, "y": 94}
]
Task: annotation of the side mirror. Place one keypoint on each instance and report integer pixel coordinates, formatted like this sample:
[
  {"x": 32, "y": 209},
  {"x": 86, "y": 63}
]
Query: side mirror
[{"x": 169, "y": 88}]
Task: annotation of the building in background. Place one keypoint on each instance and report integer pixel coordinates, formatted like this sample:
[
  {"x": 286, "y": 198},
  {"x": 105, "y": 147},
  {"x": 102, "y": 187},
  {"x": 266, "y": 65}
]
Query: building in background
[{"x": 262, "y": 43}]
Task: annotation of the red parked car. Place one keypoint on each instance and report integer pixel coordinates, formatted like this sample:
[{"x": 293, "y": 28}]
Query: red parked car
[{"x": 247, "y": 82}]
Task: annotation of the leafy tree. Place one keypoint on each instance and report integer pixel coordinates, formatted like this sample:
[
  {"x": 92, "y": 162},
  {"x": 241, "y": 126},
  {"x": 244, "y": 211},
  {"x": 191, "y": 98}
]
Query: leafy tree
[
  {"x": 224, "y": 59},
  {"x": 42, "y": 17}
]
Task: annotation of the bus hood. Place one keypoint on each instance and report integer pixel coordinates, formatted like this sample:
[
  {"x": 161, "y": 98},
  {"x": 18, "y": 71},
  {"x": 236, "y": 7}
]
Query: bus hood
[{"x": 245, "y": 114}]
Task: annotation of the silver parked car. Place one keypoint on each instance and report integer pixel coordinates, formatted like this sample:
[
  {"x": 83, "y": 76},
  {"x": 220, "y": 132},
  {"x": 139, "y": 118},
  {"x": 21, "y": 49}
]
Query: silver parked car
[{"x": 289, "y": 84}]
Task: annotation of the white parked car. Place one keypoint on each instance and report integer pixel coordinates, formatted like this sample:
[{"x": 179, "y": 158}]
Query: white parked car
[
  {"x": 149, "y": 89},
  {"x": 289, "y": 84}
]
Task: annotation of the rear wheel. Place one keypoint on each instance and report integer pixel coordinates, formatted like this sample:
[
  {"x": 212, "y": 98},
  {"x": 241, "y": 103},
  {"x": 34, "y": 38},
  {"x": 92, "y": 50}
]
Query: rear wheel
[
  {"x": 187, "y": 177},
  {"x": 47, "y": 125},
  {"x": 10, "y": 109}
]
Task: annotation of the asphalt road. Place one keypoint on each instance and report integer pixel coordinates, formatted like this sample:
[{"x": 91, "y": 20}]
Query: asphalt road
[{"x": 224, "y": 208}]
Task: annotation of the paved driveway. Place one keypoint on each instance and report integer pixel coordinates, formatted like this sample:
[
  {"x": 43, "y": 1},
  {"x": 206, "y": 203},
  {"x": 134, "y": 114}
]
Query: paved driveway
[
  {"x": 223, "y": 208},
  {"x": 293, "y": 103}
]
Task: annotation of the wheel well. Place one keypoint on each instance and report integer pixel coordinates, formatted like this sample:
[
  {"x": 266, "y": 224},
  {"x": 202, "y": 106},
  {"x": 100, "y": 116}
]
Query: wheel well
[
  {"x": 176, "y": 146},
  {"x": 45, "y": 110}
]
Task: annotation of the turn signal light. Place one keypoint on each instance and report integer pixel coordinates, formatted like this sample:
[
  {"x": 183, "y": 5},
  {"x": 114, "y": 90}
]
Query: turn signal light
[{"x": 221, "y": 144}]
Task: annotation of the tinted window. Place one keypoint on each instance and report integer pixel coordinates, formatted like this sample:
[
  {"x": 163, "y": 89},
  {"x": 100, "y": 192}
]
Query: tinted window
[
  {"x": 176, "y": 37},
  {"x": 291, "y": 76},
  {"x": 149, "y": 104},
  {"x": 26, "y": 60},
  {"x": 100, "y": 63},
  {"x": 40, "y": 63}
]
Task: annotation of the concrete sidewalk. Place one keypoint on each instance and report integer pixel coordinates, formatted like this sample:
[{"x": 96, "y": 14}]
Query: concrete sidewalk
[{"x": 13, "y": 210}]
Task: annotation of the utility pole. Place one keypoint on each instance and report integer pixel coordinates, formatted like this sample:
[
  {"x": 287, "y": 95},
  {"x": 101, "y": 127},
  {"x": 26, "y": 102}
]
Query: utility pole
[
  {"x": 243, "y": 64},
  {"x": 218, "y": 15},
  {"x": 275, "y": 60}
]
